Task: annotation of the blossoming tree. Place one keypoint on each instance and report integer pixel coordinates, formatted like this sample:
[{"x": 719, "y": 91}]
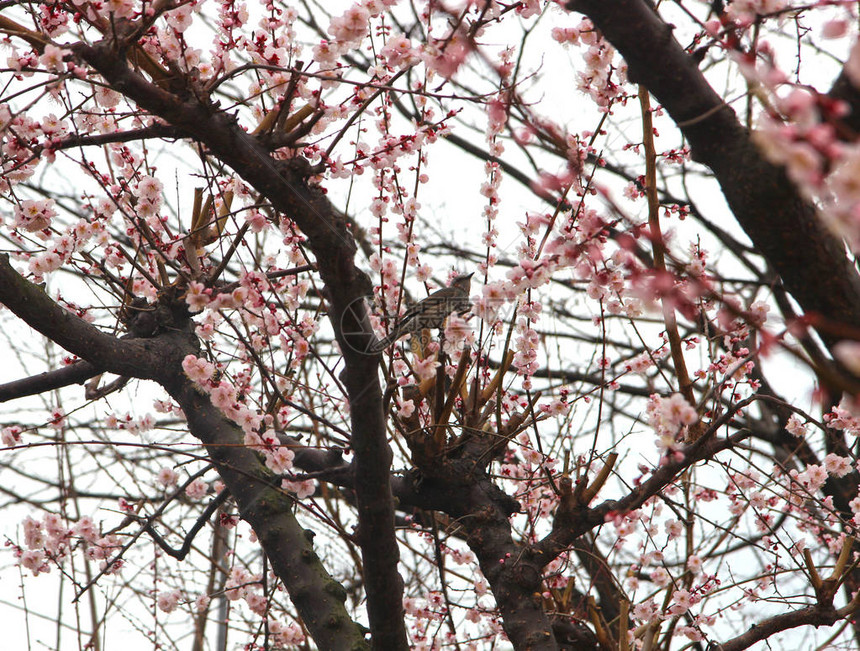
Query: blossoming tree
[{"x": 641, "y": 436}]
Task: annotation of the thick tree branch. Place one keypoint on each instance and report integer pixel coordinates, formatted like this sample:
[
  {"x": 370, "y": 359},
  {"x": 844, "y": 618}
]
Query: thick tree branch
[
  {"x": 144, "y": 133},
  {"x": 269, "y": 510},
  {"x": 30, "y": 303},
  {"x": 75, "y": 373},
  {"x": 810, "y": 616},
  {"x": 845, "y": 91},
  {"x": 482, "y": 511}
]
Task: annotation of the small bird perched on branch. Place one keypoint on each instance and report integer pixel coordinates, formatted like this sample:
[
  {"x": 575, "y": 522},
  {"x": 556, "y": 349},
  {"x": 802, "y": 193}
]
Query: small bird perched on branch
[{"x": 431, "y": 312}]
